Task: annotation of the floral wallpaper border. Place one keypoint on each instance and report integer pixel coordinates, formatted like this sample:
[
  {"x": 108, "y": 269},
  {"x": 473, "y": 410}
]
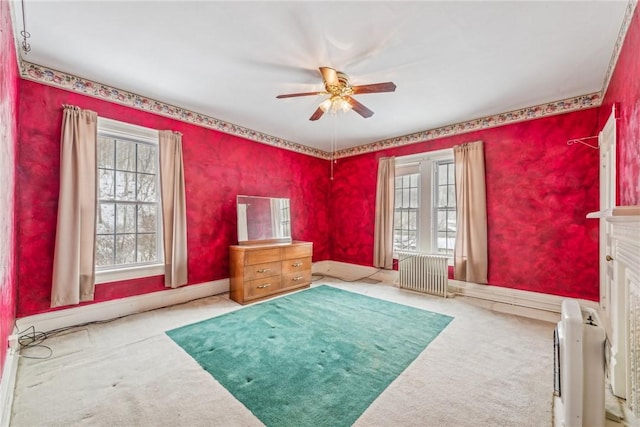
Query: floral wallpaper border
[
  {"x": 73, "y": 83},
  {"x": 48, "y": 76},
  {"x": 529, "y": 113}
]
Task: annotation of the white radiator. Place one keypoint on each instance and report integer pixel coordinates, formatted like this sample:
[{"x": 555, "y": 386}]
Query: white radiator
[{"x": 424, "y": 273}]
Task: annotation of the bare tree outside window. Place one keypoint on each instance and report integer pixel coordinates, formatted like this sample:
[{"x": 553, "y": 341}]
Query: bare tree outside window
[{"x": 128, "y": 213}]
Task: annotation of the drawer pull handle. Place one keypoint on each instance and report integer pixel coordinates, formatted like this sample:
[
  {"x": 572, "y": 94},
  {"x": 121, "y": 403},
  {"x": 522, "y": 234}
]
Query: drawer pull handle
[
  {"x": 264, "y": 286},
  {"x": 297, "y": 264},
  {"x": 264, "y": 270},
  {"x": 295, "y": 279}
]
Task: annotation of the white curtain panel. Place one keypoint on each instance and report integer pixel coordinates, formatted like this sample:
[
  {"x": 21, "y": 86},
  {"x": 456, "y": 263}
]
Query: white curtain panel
[
  {"x": 174, "y": 210},
  {"x": 470, "y": 253},
  {"x": 73, "y": 261},
  {"x": 383, "y": 232}
]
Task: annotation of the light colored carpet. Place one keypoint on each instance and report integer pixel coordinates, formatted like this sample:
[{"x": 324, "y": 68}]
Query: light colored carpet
[{"x": 484, "y": 369}]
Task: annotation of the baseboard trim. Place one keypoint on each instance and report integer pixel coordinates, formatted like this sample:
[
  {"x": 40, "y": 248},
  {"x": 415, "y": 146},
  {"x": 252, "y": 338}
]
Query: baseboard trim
[
  {"x": 529, "y": 304},
  {"x": 7, "y": 386},
  {"x": 121, "y": 307},
  {"x": 534, "y": 305}
]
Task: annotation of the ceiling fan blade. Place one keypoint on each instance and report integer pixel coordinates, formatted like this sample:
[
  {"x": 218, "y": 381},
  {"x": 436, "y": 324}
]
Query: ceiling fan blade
[
  {"x": 316, "y": 114},
  {"x": 358, "y": 107},
  {"x": 374, "y": 88},
  {"x": 330, "y": 76},
  {"x": 292, "y": 95}
]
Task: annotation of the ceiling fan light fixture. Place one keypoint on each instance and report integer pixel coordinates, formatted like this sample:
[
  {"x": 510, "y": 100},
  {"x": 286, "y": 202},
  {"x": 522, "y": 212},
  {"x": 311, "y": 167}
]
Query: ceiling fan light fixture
[
  {"x": 326, "y": 105},
  {"x": 335, "y": 104},
  {"x": 344, "y": 105}
]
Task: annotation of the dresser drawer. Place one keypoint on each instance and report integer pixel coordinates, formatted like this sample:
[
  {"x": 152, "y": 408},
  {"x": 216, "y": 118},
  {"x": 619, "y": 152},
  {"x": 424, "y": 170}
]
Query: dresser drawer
[
  {"x": 298, "y": 251},
  {"x": 261, "y": 287},
  {"x": 293, "y": 265},
  {"x": 259, "y": 271},
  {"x": 302, "y": 278},
  {"x": 262, "y": 256}
]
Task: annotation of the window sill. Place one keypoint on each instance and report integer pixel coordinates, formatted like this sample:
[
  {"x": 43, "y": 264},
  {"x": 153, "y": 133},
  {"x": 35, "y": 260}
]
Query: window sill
[{"x": 116, "y": 275}]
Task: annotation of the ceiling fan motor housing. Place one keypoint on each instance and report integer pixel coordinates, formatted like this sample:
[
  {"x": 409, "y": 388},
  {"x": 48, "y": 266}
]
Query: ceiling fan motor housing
[{"x": 342, "y": 88}]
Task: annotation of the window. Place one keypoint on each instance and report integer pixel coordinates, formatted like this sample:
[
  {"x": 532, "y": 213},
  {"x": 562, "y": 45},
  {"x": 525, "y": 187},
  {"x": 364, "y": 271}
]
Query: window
[
  {"x": 128, "y": 231},
  {"x": 445, "y": 207},
  {"x": 405, "y": 220},
  {"x": 425, "y": 203}
]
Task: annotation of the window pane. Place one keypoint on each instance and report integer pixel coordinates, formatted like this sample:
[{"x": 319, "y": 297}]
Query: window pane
[
  {"x": 106, "y": 185},
  {"x": 106, "y": 218},
  {"x": 442, "y": 242},
  {"x": 413, "y": 197},
  {"x": 146, "y": 219},
  {"x": 147, "y": 250},
  {"x": 104, "y": 251},
  {"x": 398, "y": 198},
  {"x": 405, "y": 240},
  {"x": 147, "y": 158},
  {"x": 105, "y": 152},
  {"x": 126, "y": 155},
  {"x": 442, "y": 221},
  {"x": 442, "y": 173},
  {"x": 404, "y": 223},
  {"x": 125, "y": 249},
  {"x": 125, "y": 218},
  {"x": 396, "y": 219},
  {"x": 442, "y": 196},
  {"x": 413, "y": 220},
  {"x": 451, "y": 190},
  {"x": 414, "y": 180},
  {"x": 412, "y": 243},
  {"x": 451, "y": 222},
  {"x": 146, "y": 188},
  {"x": 452, "y": 173},
  {"x": 125, "y": 186},
  {"x": 405, "y": 197}
]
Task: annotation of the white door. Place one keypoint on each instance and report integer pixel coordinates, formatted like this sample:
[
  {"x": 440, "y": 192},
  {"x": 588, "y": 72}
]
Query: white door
[
  {"x": 611, "y": 299},
  {"x": 607, "y": 142}
]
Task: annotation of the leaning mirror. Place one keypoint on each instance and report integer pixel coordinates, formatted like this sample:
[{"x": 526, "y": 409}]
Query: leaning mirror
[{"x": 263, "y": 220}]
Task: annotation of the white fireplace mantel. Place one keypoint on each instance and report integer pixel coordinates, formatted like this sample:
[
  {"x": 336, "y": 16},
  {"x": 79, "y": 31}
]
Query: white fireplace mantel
[{"x": 624, "y": 309}]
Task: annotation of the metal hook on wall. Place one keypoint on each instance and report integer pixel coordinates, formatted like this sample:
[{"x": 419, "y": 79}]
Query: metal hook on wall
[{"x": 583, "y": 142}]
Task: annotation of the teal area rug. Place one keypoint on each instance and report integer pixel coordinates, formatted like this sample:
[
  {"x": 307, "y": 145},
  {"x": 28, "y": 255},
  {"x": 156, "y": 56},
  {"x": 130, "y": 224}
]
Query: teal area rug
[{"x": 318, "y": 357}]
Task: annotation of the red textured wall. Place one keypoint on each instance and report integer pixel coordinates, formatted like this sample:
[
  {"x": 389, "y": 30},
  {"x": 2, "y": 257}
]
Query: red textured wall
[
  {"x": 9, "y": 82},
  {"x": 539, "y": 190},
  {"x": 624, "y": 92},
  {"x": 218, "y": 167}
]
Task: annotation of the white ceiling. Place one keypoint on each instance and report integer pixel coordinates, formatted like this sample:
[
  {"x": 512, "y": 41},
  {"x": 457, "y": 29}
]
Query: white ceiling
[{"x": 452, "y": 61}]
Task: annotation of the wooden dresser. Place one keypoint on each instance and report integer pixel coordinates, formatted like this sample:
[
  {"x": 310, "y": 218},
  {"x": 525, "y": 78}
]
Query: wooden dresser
[{"x": 264, "y": 270}]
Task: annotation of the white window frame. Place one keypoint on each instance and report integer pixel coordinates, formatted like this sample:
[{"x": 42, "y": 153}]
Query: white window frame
[
  {"x": 424, "y": 164},
  {"x": 128, "y": 131}
]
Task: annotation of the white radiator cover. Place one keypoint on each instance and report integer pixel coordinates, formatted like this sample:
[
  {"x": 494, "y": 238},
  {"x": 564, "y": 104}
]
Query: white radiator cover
[
  {"x": 623, "y": 313},
  {"x": 424, "y": 273},
  {"x": 581, "y": 340}
]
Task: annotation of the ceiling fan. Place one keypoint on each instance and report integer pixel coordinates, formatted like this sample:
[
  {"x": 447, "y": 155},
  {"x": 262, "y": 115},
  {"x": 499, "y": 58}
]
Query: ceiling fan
[{"x": 336, "y": 84}]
